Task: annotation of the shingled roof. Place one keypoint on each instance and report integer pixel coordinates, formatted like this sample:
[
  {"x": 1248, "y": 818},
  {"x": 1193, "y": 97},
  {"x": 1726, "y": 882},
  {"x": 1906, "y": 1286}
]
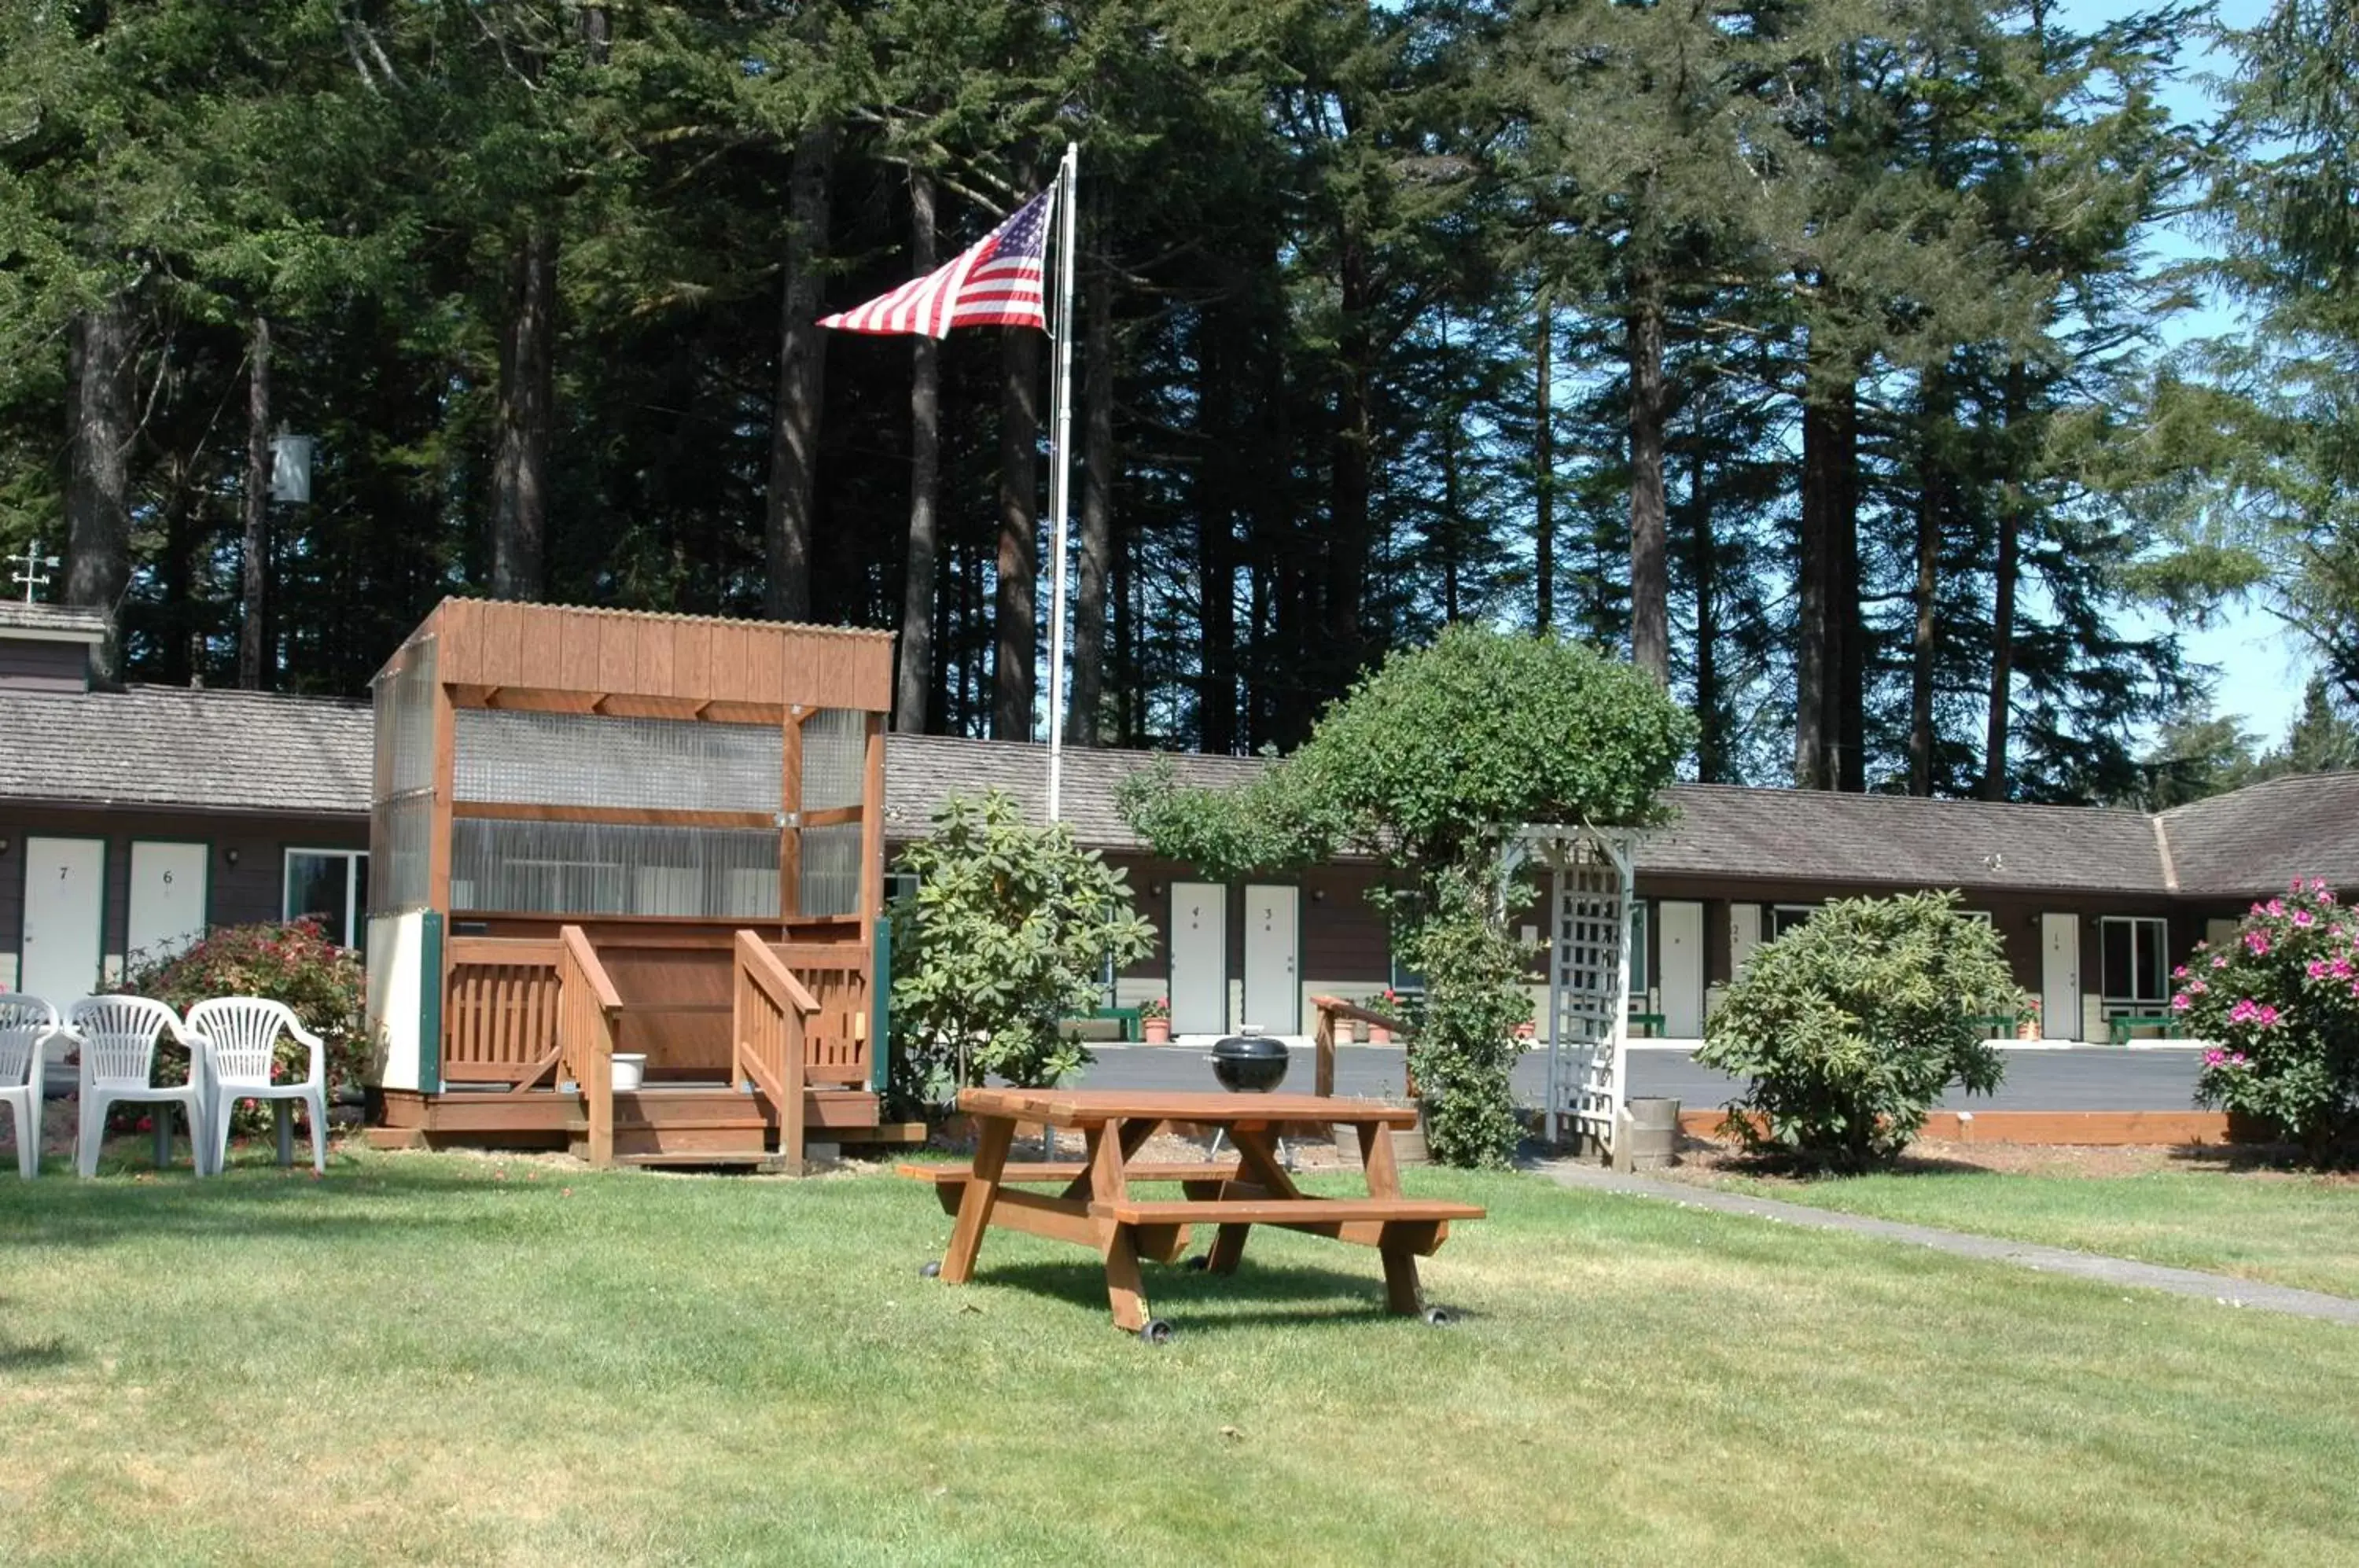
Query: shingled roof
[
  {"x": 51, "y": 620},
  {"x": 2257, "y": 839},
  {"x": 251, "y": 752},
  {"x": 1815, "y": 835},
  {"x": 176, "y": 746},
  {"x": 923, "y": 771}
]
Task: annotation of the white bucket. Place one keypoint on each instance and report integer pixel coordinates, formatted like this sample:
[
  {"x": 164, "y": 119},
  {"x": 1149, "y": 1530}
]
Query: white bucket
[{"x": 630, "y": 1069}]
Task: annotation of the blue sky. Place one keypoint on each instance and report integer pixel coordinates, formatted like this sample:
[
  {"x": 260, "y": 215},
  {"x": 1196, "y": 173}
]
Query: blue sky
[{"x": 2262, "y": 665}]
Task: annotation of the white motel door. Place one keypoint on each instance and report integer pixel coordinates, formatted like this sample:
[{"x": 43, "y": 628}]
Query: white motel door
[
  {"x": 167, "y": 897},
  {"x": 2059, "y": 976},
  {"x": 1680, "y": 935},
  {"x": 65, "y": 896},
  {"x": 1273, "y": 932},
  {"x": 1200, "y": 953}
]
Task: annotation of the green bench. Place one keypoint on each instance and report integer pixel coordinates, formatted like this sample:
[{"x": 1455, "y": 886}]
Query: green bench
[
  {"x": 1129, "y": 1028},
  {"x": 1651, "y": 1022},
  {"x": 2005, "y": 1024},
  {"x": 2119, "y": 1026}
]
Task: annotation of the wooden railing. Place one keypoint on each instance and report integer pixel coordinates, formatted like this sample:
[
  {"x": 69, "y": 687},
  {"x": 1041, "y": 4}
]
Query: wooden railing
[
  {"x": 500, "y": 1011},
  {"x": 769, "y": 1039},
  {"x": 1333, "y": 1011},
  {"x": 836, "y": 1047},
  {"x": 587, "y": 1010}
]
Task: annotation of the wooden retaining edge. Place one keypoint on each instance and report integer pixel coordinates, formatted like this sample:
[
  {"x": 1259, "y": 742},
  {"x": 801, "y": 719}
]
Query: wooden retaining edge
[{"x": 2097, "y": 1129}]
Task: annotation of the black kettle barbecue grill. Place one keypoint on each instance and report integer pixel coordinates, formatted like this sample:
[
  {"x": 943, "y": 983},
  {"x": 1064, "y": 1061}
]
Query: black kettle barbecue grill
[{"x": 1249, "y": 1063}]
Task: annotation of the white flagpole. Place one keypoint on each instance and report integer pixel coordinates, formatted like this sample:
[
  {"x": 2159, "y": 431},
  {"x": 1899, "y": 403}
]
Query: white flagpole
[{"x": 1060, "y": 475}]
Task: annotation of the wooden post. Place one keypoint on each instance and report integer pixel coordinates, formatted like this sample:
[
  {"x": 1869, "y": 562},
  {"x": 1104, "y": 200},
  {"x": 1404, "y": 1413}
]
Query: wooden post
[
  {"x": 1322, "y": 1043},
  {"x": 438, "y": 854},
  {"x": 790, "y": 802}
]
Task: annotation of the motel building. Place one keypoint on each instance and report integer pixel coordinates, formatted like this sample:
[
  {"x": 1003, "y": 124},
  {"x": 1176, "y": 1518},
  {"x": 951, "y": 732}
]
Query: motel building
[{"x": 132, "y": 819}]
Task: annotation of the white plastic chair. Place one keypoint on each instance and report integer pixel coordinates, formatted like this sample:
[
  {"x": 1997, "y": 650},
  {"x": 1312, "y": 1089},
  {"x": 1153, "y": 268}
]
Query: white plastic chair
[
  {"x": 118, "y": 1036},
  {"x": 243, "y": 1034},
  {"x": 26, "y": 1026}
]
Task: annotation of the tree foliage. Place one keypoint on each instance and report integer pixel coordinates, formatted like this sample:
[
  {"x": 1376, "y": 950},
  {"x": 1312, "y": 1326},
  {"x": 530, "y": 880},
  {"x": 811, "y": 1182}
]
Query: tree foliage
[
  {"x": 1849, "y": 1028},
  {"x": 1780, "y": 343},
  {"x": 1011, "y": 929}
]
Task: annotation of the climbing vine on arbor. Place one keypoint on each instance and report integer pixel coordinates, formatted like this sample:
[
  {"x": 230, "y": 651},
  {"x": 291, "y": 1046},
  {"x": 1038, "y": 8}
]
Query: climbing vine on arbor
[{"x": 1426, "y": 765}]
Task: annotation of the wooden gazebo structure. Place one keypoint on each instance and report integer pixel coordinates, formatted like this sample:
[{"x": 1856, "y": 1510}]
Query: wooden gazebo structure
[{"x": 602, "y": 832}]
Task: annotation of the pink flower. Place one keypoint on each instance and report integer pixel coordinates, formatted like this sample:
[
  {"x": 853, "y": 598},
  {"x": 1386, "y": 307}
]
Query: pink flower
[
  {"x": 2266, "y": 1017},
  {"x": 2276, "y": 906},
  {"x": 2340, "y": 969},
  {"x": 2318, "y": 883},
  {"x": 2317, "y": 968},
  {"x": 2179, "y": 973},
  {"x": 2237, "y": 1059},
  {"x": 2304, "y": 918},
  {"x": 2221, "y": 962},
  {"x": 2197, "y": 987},
  {"x": 2213, "y": 1058},
  {"x": 2256, "y": 943},
  {"x": 2181, "y": 1002}
]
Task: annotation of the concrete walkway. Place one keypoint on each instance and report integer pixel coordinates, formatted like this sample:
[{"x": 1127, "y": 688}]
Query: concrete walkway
[{"x": 2220, "y": 1288}]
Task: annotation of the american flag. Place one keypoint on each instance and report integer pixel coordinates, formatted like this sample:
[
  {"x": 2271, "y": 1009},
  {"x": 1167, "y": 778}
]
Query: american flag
[{"x": 995, "y": 284}]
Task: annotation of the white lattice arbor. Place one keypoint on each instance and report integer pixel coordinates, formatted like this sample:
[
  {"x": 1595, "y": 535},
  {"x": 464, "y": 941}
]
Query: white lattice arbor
[{"x": 1590, "y": 897}]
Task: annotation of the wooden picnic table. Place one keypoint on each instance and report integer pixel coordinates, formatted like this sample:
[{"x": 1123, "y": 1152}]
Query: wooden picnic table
[{"x": 1096, "y": 1207}]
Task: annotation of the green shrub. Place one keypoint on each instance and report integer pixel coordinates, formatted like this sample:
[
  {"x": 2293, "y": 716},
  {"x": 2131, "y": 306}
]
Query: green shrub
[
  {"x": 2280, "y": 1004},
  {"x": 1011, "y": 930},
  {"x": 1849, "y": 1027},
  {"x": 293, "y": 964}
]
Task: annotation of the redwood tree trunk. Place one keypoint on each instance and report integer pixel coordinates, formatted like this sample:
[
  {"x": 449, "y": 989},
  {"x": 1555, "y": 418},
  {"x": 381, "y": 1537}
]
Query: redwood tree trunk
[
  {"x": 527, "y": 412},
  {"x": 1711, "y": 743},
  {"x": 2003, "y": 591},
  {"x": 98, "y": 481},
  {"x": 1216, "y": 529},
  {"x": 1650, "y": 587},
  {"x": 1097, "y": 508},
  {"x": 802, "y": 359},
  {"x": 1847, "y": 655},
  {"x": 1813, "y": 582},
  {"x": 1019, "y": 559},
  {"x": 1350, "y": 455},
  {"x": 915, "y": 683},
  {"x": 255, "y": 553},
  {"x": 1931, "y": 500},
  {"x": 1544, "y": 471}
]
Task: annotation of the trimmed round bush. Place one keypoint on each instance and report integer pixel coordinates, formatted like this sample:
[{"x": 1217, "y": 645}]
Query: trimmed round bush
[{"x": 1850, "y": 1025}]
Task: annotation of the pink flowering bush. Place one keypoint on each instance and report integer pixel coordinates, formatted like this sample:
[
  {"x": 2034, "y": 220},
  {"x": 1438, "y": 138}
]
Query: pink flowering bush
[
  {"x": 293, "y": 964},
  {"x": 2279, "y": 1004}
]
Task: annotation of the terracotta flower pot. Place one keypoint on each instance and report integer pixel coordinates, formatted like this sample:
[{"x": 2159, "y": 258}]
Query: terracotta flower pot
[
  {"x": 1379, "y": 1035},
  {"x": 1156, "y": 1031}
]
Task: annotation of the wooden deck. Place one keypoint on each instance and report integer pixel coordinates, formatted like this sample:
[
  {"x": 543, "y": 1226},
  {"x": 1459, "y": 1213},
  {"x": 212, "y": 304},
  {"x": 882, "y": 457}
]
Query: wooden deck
[{"x": 695, "y": 1124}]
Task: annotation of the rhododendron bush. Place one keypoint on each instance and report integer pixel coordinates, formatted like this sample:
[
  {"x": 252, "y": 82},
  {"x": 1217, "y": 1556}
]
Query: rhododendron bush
[{"x": 2279, "y": 1005}]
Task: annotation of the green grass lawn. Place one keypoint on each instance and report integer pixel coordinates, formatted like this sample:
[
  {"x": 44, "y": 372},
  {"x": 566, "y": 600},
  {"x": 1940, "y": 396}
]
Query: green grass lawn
[
  {"x": 457, "y": 1359},
  {"x": 2288, "y": 1230}
]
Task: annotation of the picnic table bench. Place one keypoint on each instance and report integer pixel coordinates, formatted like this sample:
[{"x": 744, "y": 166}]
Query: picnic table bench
[{"x": 1095, "y": 1209}]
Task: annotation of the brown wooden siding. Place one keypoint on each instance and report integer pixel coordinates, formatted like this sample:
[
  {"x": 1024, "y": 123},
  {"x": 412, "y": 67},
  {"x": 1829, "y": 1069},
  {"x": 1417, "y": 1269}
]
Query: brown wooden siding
[
  {"x": 234, "y": 894},
  {"x": 659, "y": 659},
  {"x": 30, "y": 665},
  {"x": 1343, "y": 936}
]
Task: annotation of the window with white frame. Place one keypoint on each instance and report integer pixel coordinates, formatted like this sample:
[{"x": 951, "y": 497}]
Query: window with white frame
[
  {"x": 1783, "y": 917},
  {"x": 330, "y": 885},
  {"x": 2137, "y": 957}
]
